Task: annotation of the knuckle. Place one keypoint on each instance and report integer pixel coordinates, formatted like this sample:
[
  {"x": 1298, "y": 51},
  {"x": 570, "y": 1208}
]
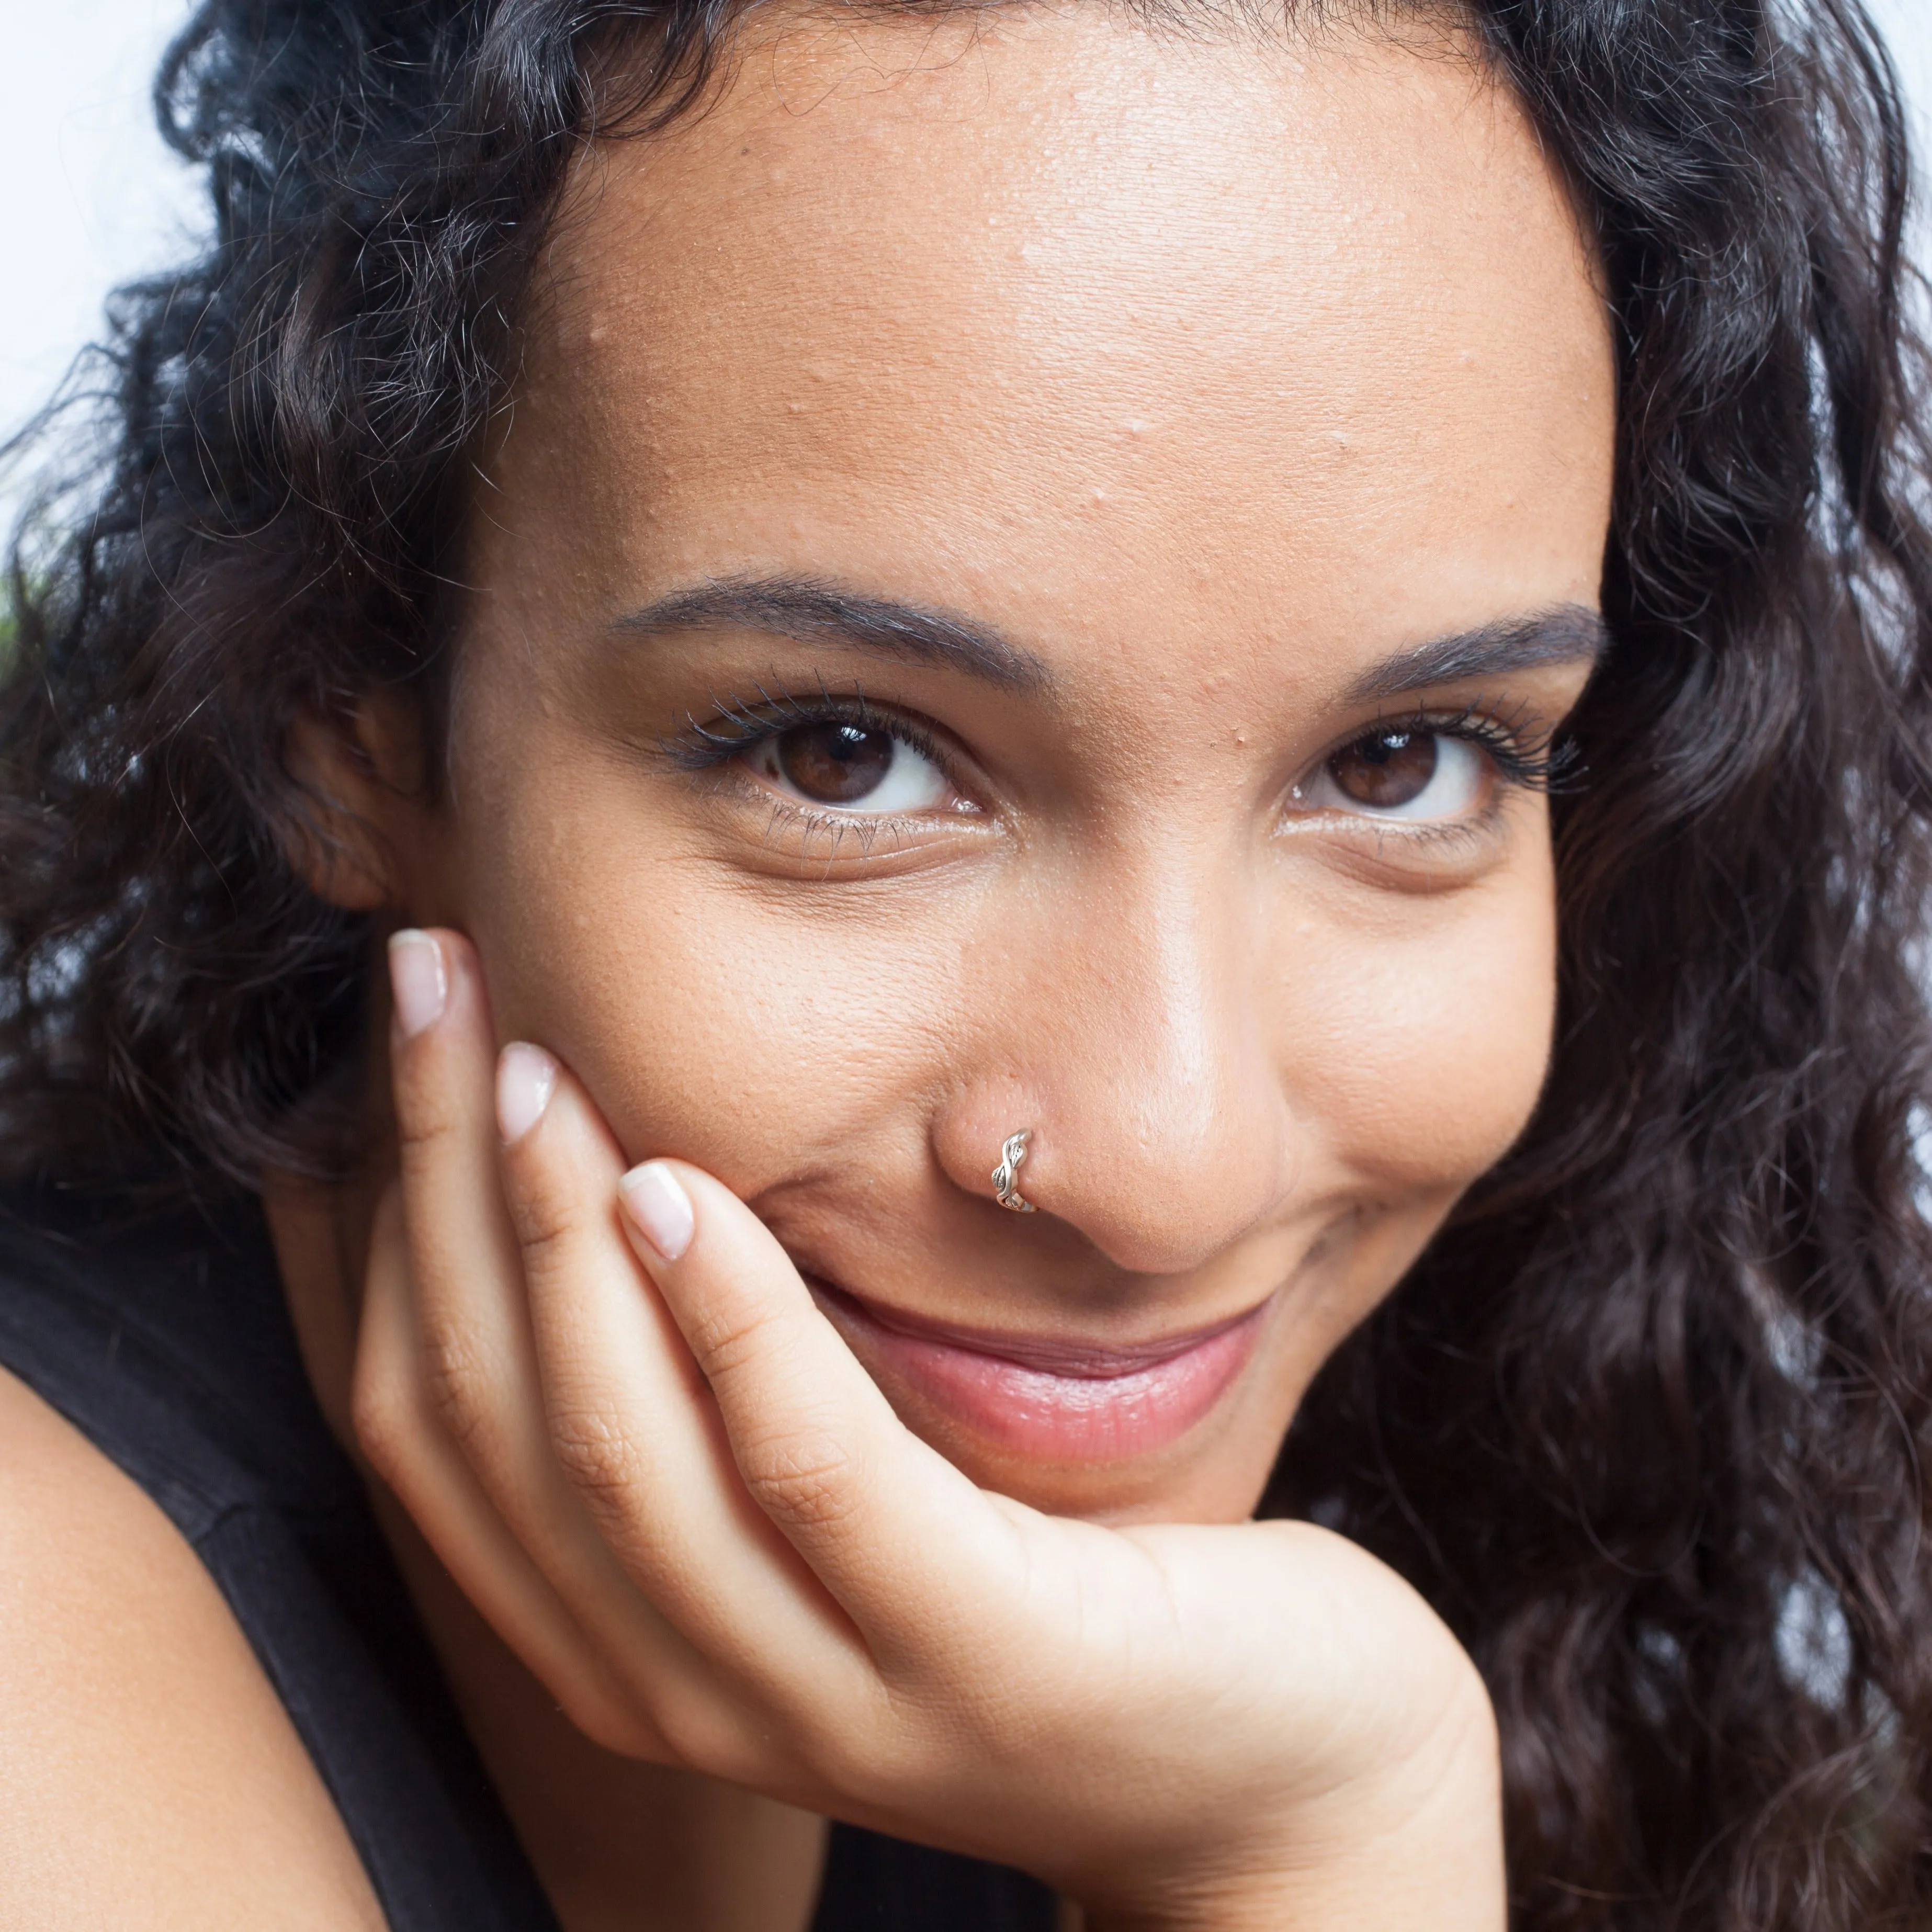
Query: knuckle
[
  {"x": 623, "y": 1734},
  {"x": 612, "y": 1725},
  {"x": 791, "y": 1453},
  {"x": 455, "y": 1386},
  {"x": 702, "y": 1733},
  {"x": 386, "y": 1418},
  {"x": 726, "y": 1341},
  {"x": 597, "y": 1453},
  {"x": 550, "y": 1219},
  {"x": 427, "y": 1118},
  {"x": 809, "y": 1479}
]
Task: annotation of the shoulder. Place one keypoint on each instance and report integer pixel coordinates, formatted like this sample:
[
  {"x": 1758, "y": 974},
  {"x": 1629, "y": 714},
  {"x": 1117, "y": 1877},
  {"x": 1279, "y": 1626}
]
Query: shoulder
[{"x": 153, "y": 1778}]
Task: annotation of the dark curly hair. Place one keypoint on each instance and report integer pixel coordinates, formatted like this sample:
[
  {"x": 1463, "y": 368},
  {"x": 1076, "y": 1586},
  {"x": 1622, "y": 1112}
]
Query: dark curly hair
[{"x": 1645, "y": 1423}]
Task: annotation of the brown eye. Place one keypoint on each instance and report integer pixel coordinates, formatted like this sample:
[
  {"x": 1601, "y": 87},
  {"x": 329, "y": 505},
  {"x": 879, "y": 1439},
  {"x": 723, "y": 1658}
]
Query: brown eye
[
  {"x": 835, "y": 764},
  {"x": 1386, "y": 770},
  {"x": 848, "y": 766}
]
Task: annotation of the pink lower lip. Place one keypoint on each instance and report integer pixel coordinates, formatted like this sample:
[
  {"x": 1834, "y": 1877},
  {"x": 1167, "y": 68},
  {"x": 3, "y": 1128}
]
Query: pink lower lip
[{"x": 1064, "y": 1405}]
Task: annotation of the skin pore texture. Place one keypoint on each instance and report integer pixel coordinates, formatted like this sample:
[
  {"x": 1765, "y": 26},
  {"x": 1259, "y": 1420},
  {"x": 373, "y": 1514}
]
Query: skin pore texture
[{"x": 1106, "y": 429}]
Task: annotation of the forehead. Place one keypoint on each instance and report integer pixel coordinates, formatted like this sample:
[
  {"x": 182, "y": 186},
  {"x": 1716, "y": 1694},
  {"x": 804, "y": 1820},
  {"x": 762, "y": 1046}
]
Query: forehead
[{"x": 1048, "y": 309}]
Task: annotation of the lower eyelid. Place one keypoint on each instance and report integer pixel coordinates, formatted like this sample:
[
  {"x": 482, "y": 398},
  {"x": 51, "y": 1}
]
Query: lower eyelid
[{"x": 818, "y": 839}]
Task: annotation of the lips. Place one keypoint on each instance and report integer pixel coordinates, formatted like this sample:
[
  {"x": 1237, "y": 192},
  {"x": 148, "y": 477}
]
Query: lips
[{"x": 1044, "y": 1397}]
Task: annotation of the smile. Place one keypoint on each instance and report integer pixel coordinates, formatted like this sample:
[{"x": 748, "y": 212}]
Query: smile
[{"x": 1047, "y": 1397}]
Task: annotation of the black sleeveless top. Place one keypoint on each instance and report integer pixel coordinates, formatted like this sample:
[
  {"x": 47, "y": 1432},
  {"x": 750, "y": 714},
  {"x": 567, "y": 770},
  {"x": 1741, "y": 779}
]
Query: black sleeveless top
[{"x": 166, "y": 1341}]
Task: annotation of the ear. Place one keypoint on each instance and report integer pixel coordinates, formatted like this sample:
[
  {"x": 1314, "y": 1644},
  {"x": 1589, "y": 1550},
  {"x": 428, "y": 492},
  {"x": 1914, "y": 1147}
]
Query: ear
[{"x": 364, "y": 814}]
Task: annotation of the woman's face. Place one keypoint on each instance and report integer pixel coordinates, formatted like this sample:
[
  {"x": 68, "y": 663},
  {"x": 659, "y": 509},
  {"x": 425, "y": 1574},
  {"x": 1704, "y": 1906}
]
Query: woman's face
[{"x": 1029, "y": 579}]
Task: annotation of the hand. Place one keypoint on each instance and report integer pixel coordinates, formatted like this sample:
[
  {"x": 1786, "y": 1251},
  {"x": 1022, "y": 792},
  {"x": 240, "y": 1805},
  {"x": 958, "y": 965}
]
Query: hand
[{"x": 644, "y": 1454}]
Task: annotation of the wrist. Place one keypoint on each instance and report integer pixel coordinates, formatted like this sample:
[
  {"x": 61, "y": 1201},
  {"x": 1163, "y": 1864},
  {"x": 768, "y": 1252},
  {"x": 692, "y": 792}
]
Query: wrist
[{"x": 1421, "y": 1846}]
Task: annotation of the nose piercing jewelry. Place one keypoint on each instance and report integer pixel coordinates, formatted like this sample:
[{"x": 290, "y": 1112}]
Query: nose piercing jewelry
[{"x": 1007, "y": 1175}]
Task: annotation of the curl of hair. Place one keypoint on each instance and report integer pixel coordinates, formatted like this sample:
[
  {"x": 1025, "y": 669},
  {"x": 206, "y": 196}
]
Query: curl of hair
[{"x": 1645, "y": 1423}]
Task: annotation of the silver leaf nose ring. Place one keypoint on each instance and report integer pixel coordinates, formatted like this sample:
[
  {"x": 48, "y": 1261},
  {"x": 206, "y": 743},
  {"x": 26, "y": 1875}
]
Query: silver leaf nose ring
[{"x": 1007, "y": 1175}]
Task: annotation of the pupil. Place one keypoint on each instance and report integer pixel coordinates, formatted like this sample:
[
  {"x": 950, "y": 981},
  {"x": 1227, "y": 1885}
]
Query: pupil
[
  {"x": 835, "y": 764},
  {"x": 1386, "y": 769}
]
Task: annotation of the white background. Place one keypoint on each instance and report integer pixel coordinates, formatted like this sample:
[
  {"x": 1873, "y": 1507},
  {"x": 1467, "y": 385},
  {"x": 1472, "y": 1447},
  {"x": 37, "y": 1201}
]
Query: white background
[{"x": 91, "y": 196}]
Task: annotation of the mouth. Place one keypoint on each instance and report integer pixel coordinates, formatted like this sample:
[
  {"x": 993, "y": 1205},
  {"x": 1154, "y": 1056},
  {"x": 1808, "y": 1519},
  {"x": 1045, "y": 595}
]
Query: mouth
[{"x": 1045, "y": 1397}]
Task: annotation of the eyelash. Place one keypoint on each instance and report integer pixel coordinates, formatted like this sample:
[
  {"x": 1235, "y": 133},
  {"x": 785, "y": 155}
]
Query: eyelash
[
  {"x": 1543, "y": 763},
  {"x": 704, "y": 748},
  {"x": 1531, "y": 764},
  {"x": 699, "y": 748}
]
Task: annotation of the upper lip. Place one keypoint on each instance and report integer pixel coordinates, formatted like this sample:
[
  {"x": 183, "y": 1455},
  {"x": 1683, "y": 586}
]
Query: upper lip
[{"x": 1053, "y": 1354}]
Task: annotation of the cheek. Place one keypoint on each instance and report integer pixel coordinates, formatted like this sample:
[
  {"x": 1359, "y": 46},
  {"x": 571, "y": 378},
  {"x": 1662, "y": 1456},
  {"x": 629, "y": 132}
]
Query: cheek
[
  {"x": 1426, "y": 1047},
  {"x": 703, "y": 1024}
]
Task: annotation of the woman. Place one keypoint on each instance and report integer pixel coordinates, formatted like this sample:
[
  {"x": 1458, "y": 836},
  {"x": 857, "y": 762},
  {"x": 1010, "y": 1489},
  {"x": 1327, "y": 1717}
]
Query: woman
[{"x": 1118, "y": 767}]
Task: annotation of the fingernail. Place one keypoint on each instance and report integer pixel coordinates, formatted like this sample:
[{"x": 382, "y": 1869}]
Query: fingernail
[
  {"x": 417, "y": 980},
  {"x": 656, "y": 1201},
  {"x": 526, "y": 1078}
]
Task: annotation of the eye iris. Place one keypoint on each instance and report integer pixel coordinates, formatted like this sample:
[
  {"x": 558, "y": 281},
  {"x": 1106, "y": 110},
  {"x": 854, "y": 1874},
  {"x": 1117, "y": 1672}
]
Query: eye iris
[
  {"x": 835, "y": 764},
  {"x": 1386, "y": 769}
]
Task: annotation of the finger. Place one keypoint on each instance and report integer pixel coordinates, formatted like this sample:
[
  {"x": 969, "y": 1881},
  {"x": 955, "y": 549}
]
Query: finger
[
  {"x": 634, "y": 1427},
  {"x": 461, "y": 1250},
  {"x": 907, "y": 1545},
  {"x": 474, "y": 1366},
  {"x": 398, "y": 1429}
]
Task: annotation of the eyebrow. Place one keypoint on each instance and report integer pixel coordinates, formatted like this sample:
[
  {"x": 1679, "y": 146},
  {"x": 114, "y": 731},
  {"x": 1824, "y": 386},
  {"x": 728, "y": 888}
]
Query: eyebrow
[
  {"x": 802, "y": 608},
  {"x": 1568, "y": 634}
]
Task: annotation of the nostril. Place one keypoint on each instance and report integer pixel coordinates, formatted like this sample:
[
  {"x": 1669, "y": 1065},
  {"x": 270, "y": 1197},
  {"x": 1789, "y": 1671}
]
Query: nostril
[{"x": 1155, "y": 1190}]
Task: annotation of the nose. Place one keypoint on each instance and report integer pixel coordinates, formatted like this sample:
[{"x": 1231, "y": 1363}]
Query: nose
[{"x": 1132, "y": 1040}]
